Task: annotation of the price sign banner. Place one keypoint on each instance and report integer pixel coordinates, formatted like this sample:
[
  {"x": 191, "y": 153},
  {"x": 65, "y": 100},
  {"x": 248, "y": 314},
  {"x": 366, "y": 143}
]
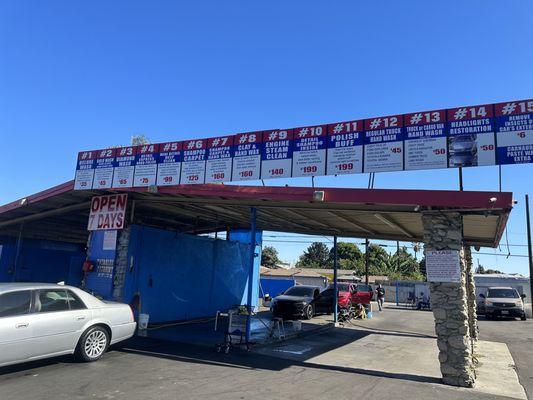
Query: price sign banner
[
  {"x": 124, "y": 167},
  {"x": 103, "y": 172},
  {"x": 107, "y": 212},
  {"x": 276, "y": 155},
  {"x": 309, "y": 151},
  {"x": 345, "y": 148},
  {"x": 145, "y": 165},
  {"x": 219, "y": 159},
  {"x": 514, "y": 132},
  {"x": 471, "y": 136},
  {"x": 425, "y": 140},
  {"x": 193, "y": 165},
  {"x": 247, "y": 156},
  {"x": 169, "y": 164},
  {"x": 443, "y": 266},
  {"x": 85, "y": 170},
  {"x": 384, "y": 144}
]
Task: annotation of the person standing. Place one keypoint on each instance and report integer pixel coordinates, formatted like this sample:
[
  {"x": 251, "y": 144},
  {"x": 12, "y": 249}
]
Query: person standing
[{"x": 380, "y": 292}]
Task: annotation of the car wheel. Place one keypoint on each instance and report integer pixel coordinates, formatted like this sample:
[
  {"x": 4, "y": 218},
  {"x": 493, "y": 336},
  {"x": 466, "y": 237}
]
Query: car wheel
[
  {"x": 308, "y": 312},
  {"x": 93, "y": 344},
  {"x": 523, "y": 317}
]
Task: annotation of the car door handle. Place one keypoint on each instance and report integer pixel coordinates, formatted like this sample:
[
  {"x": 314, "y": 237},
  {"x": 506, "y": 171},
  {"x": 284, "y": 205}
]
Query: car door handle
[
  {"x": 22, "y": 325},
  {"x": 80, "y": 318}
]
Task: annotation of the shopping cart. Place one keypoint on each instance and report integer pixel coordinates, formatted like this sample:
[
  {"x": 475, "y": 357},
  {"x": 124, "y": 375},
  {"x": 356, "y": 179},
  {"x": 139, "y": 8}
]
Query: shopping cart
[{"x": 235, "y": 333}]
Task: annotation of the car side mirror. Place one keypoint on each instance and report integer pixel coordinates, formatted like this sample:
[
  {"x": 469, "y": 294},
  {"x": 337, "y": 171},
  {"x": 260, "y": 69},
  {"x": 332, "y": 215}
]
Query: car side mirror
[
  {"x": 482, "y": 295},
  {"x": 523, "y": 296}
]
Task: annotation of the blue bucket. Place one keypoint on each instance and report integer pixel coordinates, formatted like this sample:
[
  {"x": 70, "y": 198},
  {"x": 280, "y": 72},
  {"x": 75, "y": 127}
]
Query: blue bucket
[{"x": 369, "y": 314}]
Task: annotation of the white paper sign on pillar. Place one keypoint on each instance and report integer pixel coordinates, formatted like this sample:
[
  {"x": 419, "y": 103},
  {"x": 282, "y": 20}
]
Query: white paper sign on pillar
[
  {"x": 443, "y": 266},
  {"x": 384, "y": 144},
  {"x": 345, "y": 148},
  {"x": 471, "y": 136},
  {"x": 169, "y": 164},
  {"x": 193, "y": 165},
  {"x": 276, "y": 156},
  {"x": 219, "y": 159},
  {"x": 124, "y": 167},
  {"x": 247, "y": 156},
  {"x": 145, "y": 165},
  {"x": 103, "y": 173}
]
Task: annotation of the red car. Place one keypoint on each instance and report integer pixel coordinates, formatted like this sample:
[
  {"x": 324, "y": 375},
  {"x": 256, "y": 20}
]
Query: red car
[{"x": 358, "y": 293}]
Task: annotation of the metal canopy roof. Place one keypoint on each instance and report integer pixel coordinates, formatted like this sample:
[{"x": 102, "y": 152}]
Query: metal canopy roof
[{"x": 61, "y": 213}]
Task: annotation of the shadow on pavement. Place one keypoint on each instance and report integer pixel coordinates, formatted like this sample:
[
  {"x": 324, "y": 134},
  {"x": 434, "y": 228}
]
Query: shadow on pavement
[{"x": 243, "y": 360}]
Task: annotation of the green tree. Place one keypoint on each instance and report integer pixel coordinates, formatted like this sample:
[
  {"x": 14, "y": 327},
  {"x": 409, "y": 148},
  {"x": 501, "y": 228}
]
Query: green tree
[
  {"x": 269, "y": 257},
  {"x": 378, "y": 260},
  {"x": 402, "y": 265},
  {"x": 349, "y": 256},
  {"x": 316, "y": 256}
]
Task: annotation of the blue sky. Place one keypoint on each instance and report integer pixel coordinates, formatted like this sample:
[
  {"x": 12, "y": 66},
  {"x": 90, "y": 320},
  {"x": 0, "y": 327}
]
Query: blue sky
[{"x": 85, "y": 75}]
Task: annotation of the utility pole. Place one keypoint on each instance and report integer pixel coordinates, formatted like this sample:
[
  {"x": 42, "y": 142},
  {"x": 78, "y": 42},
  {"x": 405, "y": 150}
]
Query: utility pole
[
  {"x": 367, "y": 260},
  {"x": 335, "y": 289},
  {"x": 529, "y": 252}
]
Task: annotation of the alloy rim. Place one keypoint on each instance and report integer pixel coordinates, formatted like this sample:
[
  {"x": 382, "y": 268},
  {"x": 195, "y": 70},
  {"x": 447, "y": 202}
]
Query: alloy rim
[{"x": 95, "y": 344}]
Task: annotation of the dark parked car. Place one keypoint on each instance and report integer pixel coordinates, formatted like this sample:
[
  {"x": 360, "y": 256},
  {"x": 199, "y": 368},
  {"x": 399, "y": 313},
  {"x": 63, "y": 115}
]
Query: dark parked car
[{"x": 296, "y": 302}]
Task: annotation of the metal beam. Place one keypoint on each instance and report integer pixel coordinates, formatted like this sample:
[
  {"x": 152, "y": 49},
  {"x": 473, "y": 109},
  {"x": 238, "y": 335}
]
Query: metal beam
[
  {"x": 393, "y": 224},
  {"x": 357, "y": 224},
  {"x": 45, "y": 214}
]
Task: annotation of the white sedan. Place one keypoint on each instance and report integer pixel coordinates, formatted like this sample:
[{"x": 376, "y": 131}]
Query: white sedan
[{"x": 39, "y": 320}]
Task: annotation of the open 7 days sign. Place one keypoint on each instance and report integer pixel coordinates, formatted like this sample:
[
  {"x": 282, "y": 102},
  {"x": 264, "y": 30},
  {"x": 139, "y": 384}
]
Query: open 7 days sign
[
  {"x": 107, "y": 212},
  {"x": 472, "y": 136}
]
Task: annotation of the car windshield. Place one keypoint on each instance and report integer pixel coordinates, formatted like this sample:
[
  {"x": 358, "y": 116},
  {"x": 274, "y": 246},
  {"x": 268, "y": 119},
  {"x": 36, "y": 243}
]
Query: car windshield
[
  {"x": 343, "y": 287},
  {"x": 300, "y": 291},
  {"x": 506, "y": 293}
]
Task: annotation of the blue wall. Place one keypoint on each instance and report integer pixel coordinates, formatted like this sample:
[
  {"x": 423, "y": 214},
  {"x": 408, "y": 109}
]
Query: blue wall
[
  {"x": 100, "y": 280},
  {"x": 274, "y": 287},
  {"x": 181, "y": 276},
  {"x": 41, "y": 261}
]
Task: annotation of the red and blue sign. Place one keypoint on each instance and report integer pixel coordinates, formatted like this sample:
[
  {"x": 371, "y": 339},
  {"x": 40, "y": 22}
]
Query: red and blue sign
[
  {"x": 247, "y": 156},
  {"x": 384, "y": 138},
  {"x": 425, "y": 140},
  {"x": 169, "y": 163},
  {"x": 309, "y": 151},
  {"x": 194, "y": 160},
  {"x": 146, "y": 159},
  {"x": 514, "y": 132},
  {"x": 345, "y": 147},
  {"x": 219, "y": 159},
  {"x": 276, "y": 154}
]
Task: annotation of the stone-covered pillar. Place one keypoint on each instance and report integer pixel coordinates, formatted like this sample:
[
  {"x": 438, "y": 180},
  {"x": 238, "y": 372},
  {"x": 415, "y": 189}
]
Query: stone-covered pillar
[
  {"x": 471, "y": 294},
  {"x": 449, "y": 302}
]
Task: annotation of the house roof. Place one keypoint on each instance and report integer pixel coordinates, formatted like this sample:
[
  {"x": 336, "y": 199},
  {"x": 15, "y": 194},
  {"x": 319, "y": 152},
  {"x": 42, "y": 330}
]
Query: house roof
[{"x": 61, "y": 213}]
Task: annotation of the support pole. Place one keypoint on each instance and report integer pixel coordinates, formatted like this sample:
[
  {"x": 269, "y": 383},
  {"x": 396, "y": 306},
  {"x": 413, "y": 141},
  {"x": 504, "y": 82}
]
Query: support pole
[
  {"x": 461, "y": 179},
  {"x": 17, "y": 253},
  {"x": 335, "y": 289},
  {"x": 367, "y": 260},
  {"x": 253, "y": 220},
  {"x": 529, "y": 251}
]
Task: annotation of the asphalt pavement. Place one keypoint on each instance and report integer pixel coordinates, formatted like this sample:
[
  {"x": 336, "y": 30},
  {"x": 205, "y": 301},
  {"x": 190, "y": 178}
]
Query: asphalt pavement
[{"x": 145, "y": 368}]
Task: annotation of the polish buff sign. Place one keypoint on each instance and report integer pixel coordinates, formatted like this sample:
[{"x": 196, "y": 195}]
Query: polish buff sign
[
  {"x": 107, "y": 212},
  {"x": 345, "y": 148},
  {"x": 276, "y": 156},
  {"x": 471, "y": 136},
  {"x": 247, "y": 156},
  {"x": 169, "y": 166},
  {"x": 219, "y": 159},
  {"x": 103, "y": 172},
  {"x": 425, "y": 140},
  {"x": 309, "y": 151},
  {"x": 85, "y": 170},
  {"x": 124, "y": 167},
  {"x": 145, "y": 165},
  {"x": 193, "y": 165},
  {"x": 384, "y": 144},
  {"x": 514, "y": 135}
]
